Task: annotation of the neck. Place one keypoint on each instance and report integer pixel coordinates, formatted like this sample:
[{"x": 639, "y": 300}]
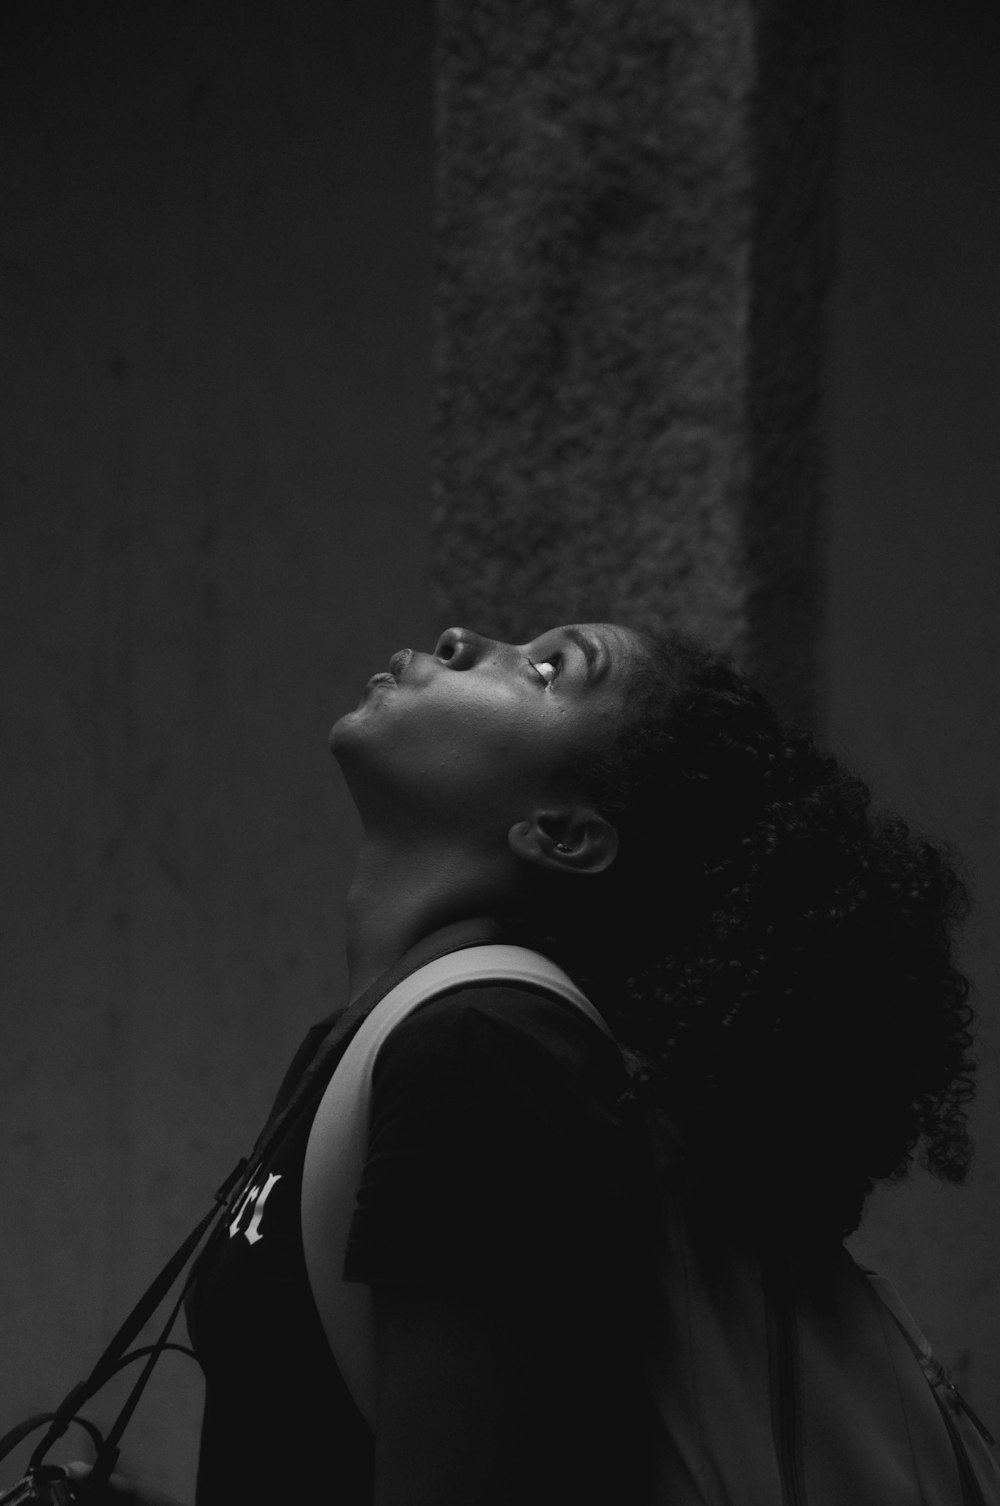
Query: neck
[{"x": 399, "y": 896}]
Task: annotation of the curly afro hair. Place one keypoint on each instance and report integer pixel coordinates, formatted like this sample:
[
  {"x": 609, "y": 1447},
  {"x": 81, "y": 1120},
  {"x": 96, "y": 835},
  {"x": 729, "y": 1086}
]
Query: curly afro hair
[{"x": 782, "y": 979}]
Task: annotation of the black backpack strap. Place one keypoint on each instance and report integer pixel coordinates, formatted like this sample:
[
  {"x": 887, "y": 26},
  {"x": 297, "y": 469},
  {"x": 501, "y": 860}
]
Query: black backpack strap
[
  {"x": 323, "y": 1042},
  {"x": 116, "y": 1352}
]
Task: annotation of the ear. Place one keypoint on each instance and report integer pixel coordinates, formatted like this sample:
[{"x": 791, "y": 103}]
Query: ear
[{"x": 578, "y": 840}]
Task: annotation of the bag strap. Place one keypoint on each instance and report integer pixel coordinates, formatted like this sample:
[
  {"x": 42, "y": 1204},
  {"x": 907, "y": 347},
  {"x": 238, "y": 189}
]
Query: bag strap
[
  {"x": 116, "y": 1355},
  {"x": 338, "y": 1142},
  {"x": 322, "y": 1041},
  {"x": 937, "y": 1376},
  {"x": 327, "y": 1039}
]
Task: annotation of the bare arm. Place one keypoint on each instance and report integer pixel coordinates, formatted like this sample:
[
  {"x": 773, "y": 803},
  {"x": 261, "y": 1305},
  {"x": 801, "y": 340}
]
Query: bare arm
[{"x": 472, "y": 1405}]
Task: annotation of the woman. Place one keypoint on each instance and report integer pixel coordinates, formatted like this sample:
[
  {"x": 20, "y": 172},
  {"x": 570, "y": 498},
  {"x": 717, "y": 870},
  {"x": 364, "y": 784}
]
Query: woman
[{"x": 775, "y": 962}]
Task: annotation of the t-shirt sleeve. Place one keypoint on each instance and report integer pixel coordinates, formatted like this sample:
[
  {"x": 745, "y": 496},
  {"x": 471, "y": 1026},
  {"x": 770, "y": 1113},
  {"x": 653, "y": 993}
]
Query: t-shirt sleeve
[{"x": 497, "y": 1146}]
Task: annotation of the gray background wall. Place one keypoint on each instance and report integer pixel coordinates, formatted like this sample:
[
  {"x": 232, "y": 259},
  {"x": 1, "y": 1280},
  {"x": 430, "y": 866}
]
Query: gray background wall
[
  {"x": 632, "y": 240},
  {"x": 913, "y": 655},
  {"x": 215, "y": 484},
  {"x": 215, "y": 375}
]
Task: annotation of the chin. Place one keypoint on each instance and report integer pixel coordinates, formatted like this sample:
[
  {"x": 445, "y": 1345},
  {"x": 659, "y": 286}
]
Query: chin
[
  {"x": 350, "y": 741},
  {"x": 341, "y": 734}
]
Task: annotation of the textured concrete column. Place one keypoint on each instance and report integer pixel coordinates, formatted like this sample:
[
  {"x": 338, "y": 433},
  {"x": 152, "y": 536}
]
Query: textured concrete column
[{"x": 632, "y": 246}]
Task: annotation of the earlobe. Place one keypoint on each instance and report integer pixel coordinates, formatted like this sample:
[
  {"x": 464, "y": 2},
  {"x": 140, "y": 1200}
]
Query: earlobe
[{"x": 577, "y": 841}]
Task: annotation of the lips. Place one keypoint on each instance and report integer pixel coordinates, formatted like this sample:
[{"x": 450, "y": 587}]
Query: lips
[
  {"x": 391, "y": 676},
  {"x": 399, "y": 661}
]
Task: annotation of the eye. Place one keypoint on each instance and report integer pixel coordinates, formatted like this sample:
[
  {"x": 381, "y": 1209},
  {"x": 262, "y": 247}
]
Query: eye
[{"x": 547, "y": 670}]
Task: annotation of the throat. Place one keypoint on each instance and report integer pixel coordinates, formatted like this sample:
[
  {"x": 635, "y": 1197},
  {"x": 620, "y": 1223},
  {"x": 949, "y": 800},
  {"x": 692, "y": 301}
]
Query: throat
[{"x": 396, "y": 899}]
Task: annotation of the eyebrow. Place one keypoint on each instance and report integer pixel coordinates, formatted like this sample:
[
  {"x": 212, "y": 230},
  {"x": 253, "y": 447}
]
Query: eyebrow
[{"x": 597, "y": 656}]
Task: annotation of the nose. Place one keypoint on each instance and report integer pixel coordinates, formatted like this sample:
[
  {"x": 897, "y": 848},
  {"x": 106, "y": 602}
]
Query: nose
[{"x": 460, "y": 648}]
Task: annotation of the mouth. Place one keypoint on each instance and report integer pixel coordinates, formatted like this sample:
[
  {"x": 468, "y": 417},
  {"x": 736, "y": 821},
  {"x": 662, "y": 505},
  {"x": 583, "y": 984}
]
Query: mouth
[
  {"x": 399, "y": 661},
  {"x": 391, "y": 676}
]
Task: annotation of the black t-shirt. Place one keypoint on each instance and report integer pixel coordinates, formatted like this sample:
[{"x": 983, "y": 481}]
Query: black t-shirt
[{"x": 501, "y": 1163}]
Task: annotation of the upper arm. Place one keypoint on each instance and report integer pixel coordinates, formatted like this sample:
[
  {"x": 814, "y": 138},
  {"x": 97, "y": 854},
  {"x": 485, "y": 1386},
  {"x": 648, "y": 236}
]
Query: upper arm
[
  {"x": 491, "y": 1229},
  {"x": 488, "y": 1404},
  {"x": 493, "y": 1146},
  {"x": 466, "y": 1415}
]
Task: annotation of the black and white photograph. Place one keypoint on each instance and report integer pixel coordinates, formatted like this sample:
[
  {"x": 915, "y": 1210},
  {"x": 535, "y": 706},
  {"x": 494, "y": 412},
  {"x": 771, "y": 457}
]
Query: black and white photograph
[{"x": 500, "y": 857}]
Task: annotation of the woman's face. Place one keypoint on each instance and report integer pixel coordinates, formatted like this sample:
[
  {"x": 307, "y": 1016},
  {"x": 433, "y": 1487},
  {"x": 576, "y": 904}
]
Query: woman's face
[{"x": 474, "y": 734}]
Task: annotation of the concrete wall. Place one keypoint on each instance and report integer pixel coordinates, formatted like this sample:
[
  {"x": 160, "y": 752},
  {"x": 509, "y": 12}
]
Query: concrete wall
[
  {"x": 632, "y": 245},
  {"x": 914, "y": 551},
  {"x": 215, "y": 375}
]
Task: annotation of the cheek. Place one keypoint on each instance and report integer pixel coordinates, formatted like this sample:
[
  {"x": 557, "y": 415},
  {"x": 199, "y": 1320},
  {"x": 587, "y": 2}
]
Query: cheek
[
  {"x": 471, "y": 726},
  {"x": 449, "y": 734},
  {"x": 482, "y": 759}
]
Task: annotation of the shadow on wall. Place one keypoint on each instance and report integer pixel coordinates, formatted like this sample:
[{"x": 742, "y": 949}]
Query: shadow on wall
[
  {"x": 914, "y": 636},
  {"x": 215, "y": 467}
]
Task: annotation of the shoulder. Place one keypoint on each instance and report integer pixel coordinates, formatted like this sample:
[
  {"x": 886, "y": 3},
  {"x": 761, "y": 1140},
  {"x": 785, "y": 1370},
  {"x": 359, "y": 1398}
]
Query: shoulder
[
  {"x": 500, "y": 1027},
  {"x": 498, "y": 1139}
]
